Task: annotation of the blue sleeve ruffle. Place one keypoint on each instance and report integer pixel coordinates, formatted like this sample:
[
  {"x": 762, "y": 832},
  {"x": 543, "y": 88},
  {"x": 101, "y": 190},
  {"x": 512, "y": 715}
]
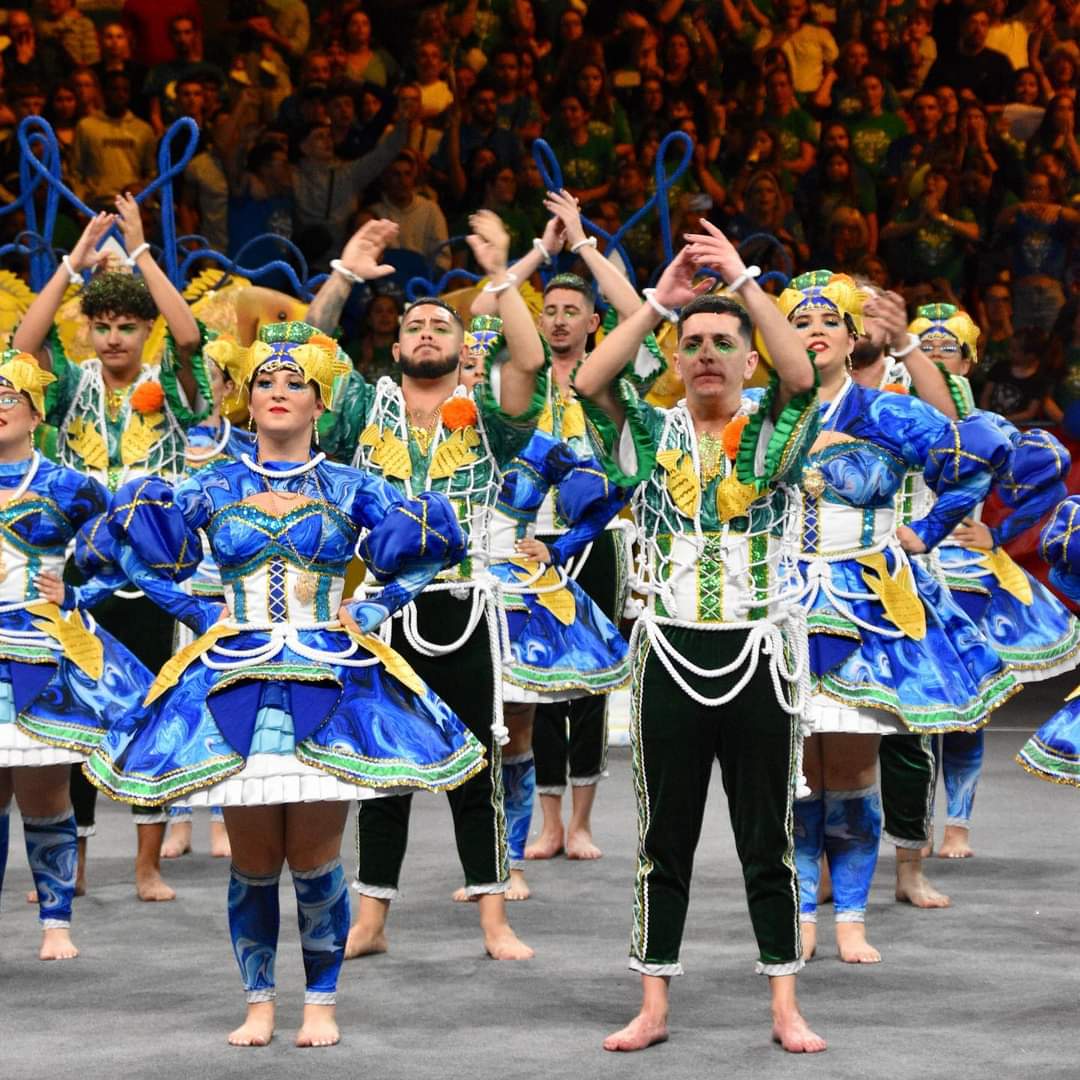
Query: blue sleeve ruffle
[
  {"x": 1059, "y": 544},
  {"x": 424, "y": 528},
  {"x": 587, "y": 499},
  {"x": 1032, "y": 482}
]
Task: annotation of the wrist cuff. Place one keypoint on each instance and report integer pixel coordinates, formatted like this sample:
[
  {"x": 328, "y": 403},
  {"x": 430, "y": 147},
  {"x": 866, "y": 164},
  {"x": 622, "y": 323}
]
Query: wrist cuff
[{"x": 340, "y": 268}]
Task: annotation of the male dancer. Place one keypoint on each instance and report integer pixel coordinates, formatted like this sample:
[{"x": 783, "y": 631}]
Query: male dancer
[
  {"x": 422, "y": 435},
  {"x": 711, "y": 511},
  {"x": 114, "y": 423}
]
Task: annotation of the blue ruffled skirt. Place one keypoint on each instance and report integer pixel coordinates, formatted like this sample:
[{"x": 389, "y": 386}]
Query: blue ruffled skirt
[
  {"x": 1053, "y": 752},
  {"x": 1037, "y": 640},
  {"x": 290, "y": 730},
  {"x": 951, "y": 680},
  {"x": 53, "y": 712},
  {"x": 552, "y": 661}
]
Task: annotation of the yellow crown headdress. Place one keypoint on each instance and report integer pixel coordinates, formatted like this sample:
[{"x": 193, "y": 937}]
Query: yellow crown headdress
[
  {"x": 823, "y": 288},
  {"x": 947, "y": 319},
  {"x": 302, "y": 347},
  {"x": 21, "y": 371}
]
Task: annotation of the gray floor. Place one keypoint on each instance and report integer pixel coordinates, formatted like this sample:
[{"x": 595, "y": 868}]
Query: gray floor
[{"x": 987, "y": 988}]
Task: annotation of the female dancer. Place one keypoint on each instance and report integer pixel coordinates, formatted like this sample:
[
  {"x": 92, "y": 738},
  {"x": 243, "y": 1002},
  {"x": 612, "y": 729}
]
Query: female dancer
[
  {"x": 560, "y": 644},
  {"x": 1053, "y": 752},
  {"x": 889, "y": 651},
  {"x": 287, "y": 706},
  {"x": 61, "y": 679},
  {"x": 1031, "y": 630}
]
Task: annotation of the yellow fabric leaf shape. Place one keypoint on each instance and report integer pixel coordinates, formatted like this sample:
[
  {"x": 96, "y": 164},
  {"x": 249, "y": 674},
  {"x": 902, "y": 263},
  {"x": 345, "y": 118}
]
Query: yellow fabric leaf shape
[
  {"x": 170, "y": 674},
  {"x": 1075, "y": 694},
  {"x": 733, "y": 497},
  {"x": 140, "y": 436},
  {"x": 559, "y": 601},
  {"x": 85, "y": 439},
  {"x": 682, "y": 482},
  {"x": 393, "y": 661},
  {"x": 391, "y": 454},
  {"x": 573, "y": 421},
  {"x": 546, "y": 423},
  {"x": 81, "y": 646},
  {"x": 1010, "y": 577},
  {"x": 903, "y": 608},
  {"x": 454, "y": 452}
]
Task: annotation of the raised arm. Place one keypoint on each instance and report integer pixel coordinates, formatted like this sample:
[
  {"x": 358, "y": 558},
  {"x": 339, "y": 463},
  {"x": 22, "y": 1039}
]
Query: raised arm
[
  {"x": 614, "y": 287},
  {"x": 38, "y": 321},
  {"x": 552, "y": 243},
  {"x": 792, "y": 366},
  {"x": 490, "y": 243}
]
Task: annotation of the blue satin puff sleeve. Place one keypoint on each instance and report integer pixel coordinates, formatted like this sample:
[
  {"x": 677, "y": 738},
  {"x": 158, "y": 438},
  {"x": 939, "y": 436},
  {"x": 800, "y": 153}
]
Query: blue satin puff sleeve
[
  {"x": 1059, "y": 546},
  {"x": 155, "y": 529},
  {"x": 86, "y": 502},
  {"x": 586, "y": 499},
  {"x": 959, "y": 461},
  {"x": 407, "y": 542},
  {"x": 1032, "y": 482}
]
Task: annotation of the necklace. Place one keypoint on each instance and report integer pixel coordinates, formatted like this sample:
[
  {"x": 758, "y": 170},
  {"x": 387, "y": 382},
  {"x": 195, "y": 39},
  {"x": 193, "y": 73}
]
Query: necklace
[
  {"x": 283, "y": 474},
  {"x": 18, "y": 493},
  {"x": 114, "y": 402},
  {"x": 307, "y": 581},
  {"x": 830, "y": 412},
  {"x": 197, "y": 457},
  {"x": 712, "y": 456}
]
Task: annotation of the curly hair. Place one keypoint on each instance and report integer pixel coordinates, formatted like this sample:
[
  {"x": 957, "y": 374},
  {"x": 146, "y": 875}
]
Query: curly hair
[{"x": 118, "y": 294}]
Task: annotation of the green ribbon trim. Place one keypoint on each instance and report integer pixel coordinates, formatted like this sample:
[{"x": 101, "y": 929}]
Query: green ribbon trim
[
  {"x": 605, "y": 435},
  {"x": 789, "y": 440},
  {"x": 185, "y": 413}
]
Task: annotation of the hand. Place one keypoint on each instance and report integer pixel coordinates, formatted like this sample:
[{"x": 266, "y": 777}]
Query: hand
[
  {"x": 489, "y": 240},
  {"x": 532, "y": 548},
  {"x": 676, "y": 286},
  {"x": 409, "y": 109},
  {"x": 362, "y": 616},
  {"x": 713, "y": 249},
  {"x": 50, "y": 587},
  {"x": 909, "y": 541},
  {"x": 554, "y": 236},
  {"x": 973, "y": 534},
  {"x": 365, "y": 247},
  {"x": 890, "y": 313},
  {"x": 84, "y": 255},
  {"x": 567, "y": 209},
  {"x": 127, "y": 210}
]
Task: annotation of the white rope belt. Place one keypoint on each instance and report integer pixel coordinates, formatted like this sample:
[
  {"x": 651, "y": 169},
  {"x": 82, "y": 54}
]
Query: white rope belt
[{"x": 282, "y": 635}]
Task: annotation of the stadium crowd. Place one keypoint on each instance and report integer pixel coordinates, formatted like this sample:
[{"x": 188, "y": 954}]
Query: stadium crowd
[{"x": 929, "y": 145}]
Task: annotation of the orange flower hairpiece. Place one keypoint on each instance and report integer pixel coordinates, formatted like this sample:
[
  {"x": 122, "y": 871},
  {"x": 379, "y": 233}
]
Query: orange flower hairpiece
[
  {"x": 147, "y": 398},
  {"x": 732, "y": 434},
  {"x": 895, "y": 388},
  {"x": 458, "y": 412}
]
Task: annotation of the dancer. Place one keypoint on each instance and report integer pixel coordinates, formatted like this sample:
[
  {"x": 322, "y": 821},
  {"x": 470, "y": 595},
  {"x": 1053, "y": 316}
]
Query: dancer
[
  {"x": 288, "y": 704},
  {"x": 114, "y": 423},
  {"x": 1031, "y": 630},
  {"x": 420, "y": 436},
  {"x": 889, "y": 650},
  {"x": 571, "y": 736},
  {"x": 212, "y": 440},
  {"x": 561, "y": 646},
  {"x": 62, "y": 679},
  {"x": 1053, "y": 752},
  {"x": 710, "y": 506}
]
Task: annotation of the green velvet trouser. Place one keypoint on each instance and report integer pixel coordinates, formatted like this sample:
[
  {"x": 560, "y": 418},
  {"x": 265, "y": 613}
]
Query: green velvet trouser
[
  {"x": 675, "y": 742},
  {"x": 147, "y": 631},
  {"x": 575, "y": 732},
  {"x": 907, "y": 789},
  {"x": 465, "y": 680}
]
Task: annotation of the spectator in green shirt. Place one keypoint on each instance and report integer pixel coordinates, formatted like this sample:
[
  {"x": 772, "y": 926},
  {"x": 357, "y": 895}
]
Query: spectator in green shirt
[
  {"x": 587, "y": 159},
  {"x": 874, "y": 129}
]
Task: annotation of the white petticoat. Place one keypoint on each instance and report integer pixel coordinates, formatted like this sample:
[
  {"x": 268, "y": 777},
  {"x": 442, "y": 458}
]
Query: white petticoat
[
  {"x": 827, "y": 716},
  {"x": 270, "y": 779},
  {"x": 519, "y": 695},
  {"x": 18, "y": 750}
]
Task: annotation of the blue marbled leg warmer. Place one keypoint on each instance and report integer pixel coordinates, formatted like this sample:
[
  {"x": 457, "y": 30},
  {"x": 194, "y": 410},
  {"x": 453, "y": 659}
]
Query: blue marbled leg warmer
[
  {"x": 254, "y": 919},
  {"x": 51, "y": 848},
  {"x": 961, "y": 764},
  {"x": 5, "y": 836},
  {"x": 322, "y": 905},
  {"x": 809, "y": 844},
  {"x": 519, "y": 786},
  {"x": 852, "y": 835}
]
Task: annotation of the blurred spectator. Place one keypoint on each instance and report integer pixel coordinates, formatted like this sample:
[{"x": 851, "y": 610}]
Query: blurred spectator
[
  {"x": 27, "y": 58},
  {"x": 284, "y": 24},
  {"x": 435, "y": 93},
  {"x": 797, "y": 129},
  {"x": 87, "y": 87},
  {"x": 373, "y": 352},
  {"x": 422, "y": 226},
  {"x": 974, "y": 67},
  {"x": 874, "y": 128},
  {"x": 114, "y": 149},
  {"x": 163, "y": 79},
  {"x": 587, "y": 157},
  {"x": 809, "y": 49},
  {"x": 149, "y": 22},
  {"x": 116, "y": 56},
  {"x": 63, "y": 113},
  {"x": 261, "y": 202},
  {"x": 1016, "y": 387},
  {"x": 365, "y": 62},
  {"x": 517, "y": 111},
  {"x": 73, "y": 32},
  {"x": 1057, "y": 132},
  {"x": 995, "y": 343}
]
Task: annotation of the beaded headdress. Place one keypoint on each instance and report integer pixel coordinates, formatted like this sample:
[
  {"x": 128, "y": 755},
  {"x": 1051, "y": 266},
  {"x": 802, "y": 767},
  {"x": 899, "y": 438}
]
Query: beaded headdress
[
  {"x": 947, "y": 319},
  {"x": 824, "y": 289},
  {"x": 484, "y": 336},
  {"x": 299, "y": 347},
  {"x": 22, "y": 372}
]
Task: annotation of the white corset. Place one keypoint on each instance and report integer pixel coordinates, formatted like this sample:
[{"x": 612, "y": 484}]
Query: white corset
[
  {"x": 269, "y": 594},
  {"x": 17, "y": 572},
  {"x": 846, "y": 530}
]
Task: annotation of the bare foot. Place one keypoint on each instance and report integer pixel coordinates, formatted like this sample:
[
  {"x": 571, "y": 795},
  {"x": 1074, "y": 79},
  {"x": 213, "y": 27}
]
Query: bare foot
[
  {"x": 365, "y": 941},
  {"x": 463, "y": 896},
  {"x": 546, "y": 846},
  {"x": 927, "y": 851},
  {"x": 150, "y": 886},
  {"x": 579, "y": 845},
  {"x": 912, "y": 887},
  {"x": 32, "y": 896},
  {"x": 519, "y": 887},
  {"x": 955, "y": 844},
  {"x": 257, "y": 1028},
  {"x": 793, "y": 1033},
  {"x": 852, "y": 945},
  {"x": 178, "y": 841},
  {"x": 808, "y": 932},
  {"x": 642, "y": 1032},
  {"x": 219, "y": 841},
  {"x": 319, "y": 1027},
  {"x": 502, "y": 943},
  {"x": 56, "y": 944}
]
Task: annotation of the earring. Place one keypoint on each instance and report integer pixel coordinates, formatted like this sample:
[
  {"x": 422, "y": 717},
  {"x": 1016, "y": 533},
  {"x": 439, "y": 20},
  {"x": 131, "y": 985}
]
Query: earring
[
  {"x": 251, "y": 422},
  {"x": 848, "y": 364},
  {"x": 315, "y": 430}
]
